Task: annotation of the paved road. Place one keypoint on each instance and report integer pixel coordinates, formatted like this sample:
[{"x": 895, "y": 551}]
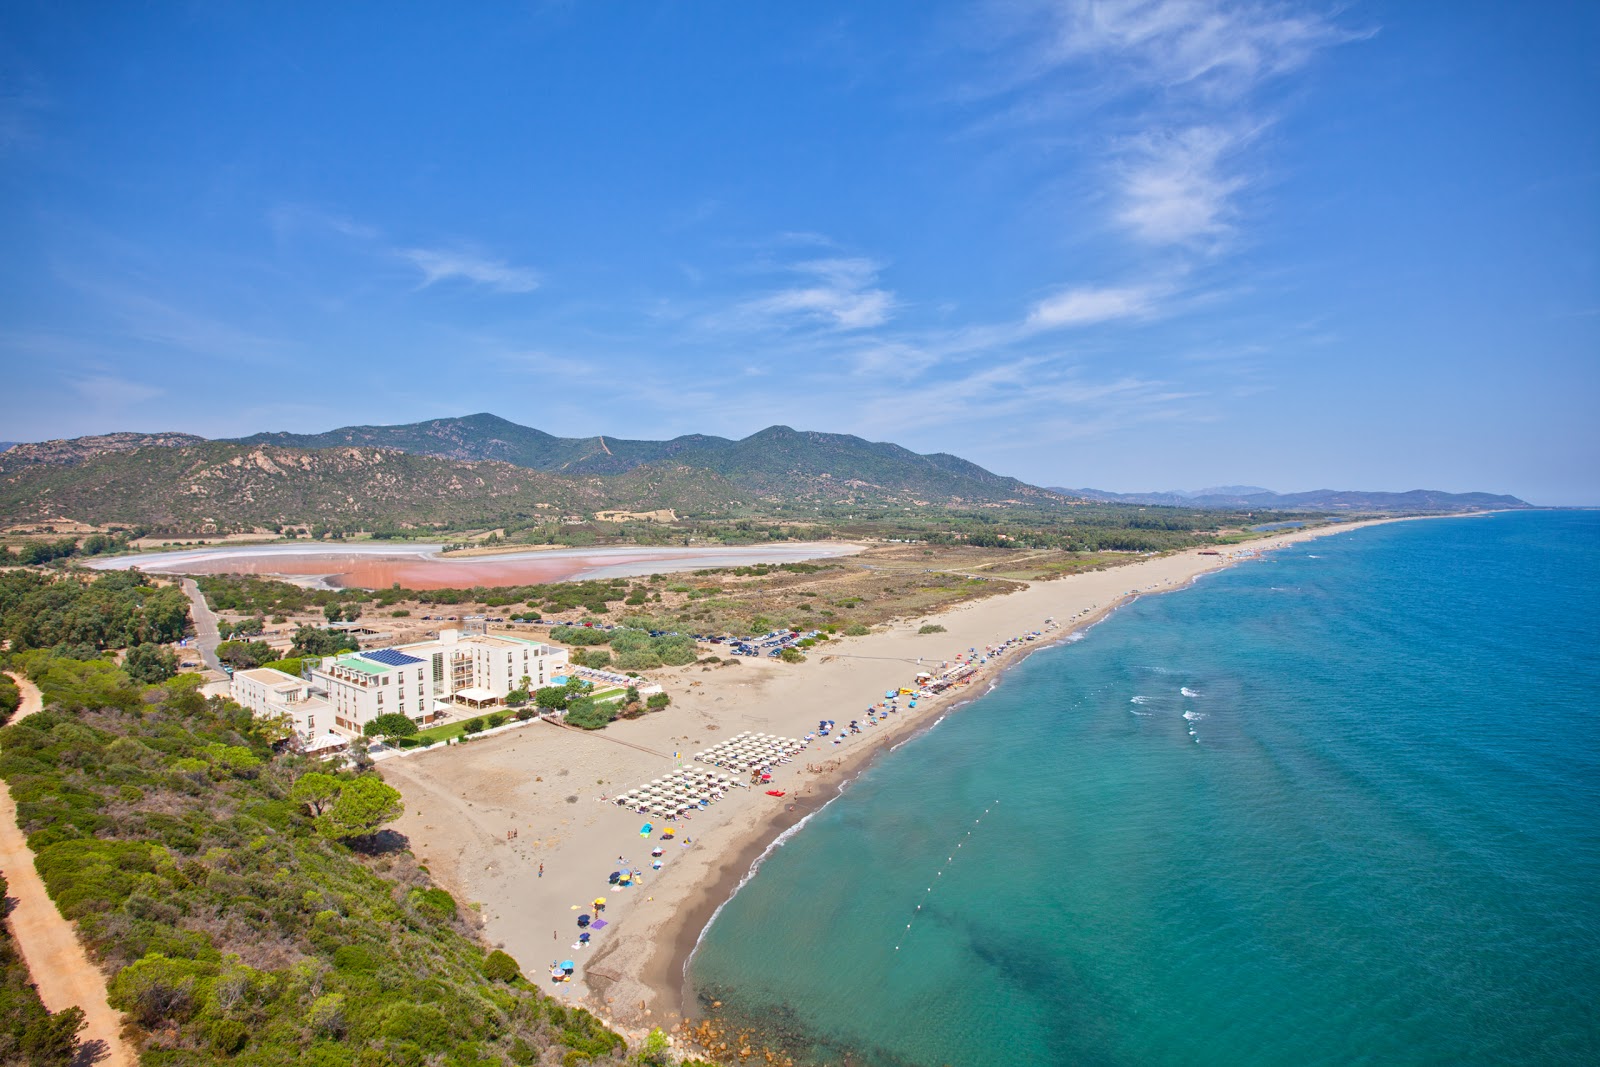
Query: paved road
[
  {"x": 205, "y": 625},
  {"x": 56, "y": 960}
]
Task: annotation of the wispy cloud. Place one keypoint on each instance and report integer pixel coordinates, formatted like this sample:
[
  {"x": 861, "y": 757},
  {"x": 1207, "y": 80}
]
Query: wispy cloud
[
  {"x": 837, "y": 293},
  {"x": 442, "y": 264},
  {"x": 1173, "y": 92},
  {"x": 1177, "y": 186},
  {"x": 1086, "y": 306},
  {"x": 1218, "y": 48}
]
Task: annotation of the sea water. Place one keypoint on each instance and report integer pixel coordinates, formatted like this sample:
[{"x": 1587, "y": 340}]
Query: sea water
[{"x": 1338, "y": 806}]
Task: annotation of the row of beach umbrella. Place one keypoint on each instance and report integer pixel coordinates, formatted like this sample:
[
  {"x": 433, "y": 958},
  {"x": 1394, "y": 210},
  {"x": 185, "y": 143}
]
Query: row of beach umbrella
[
  {"x": 747, "y": 751},
  {"x": 677, "y": 793}
]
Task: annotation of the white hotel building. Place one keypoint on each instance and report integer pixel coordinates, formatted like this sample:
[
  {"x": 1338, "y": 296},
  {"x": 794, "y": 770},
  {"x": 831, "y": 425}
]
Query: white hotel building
[{"x": 425, "y": 682}]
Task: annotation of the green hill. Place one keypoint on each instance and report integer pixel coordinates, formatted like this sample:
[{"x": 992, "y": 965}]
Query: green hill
[
  {"x": 477, "y": 470},
  {"x": 232, "y": 485},
  {"x": 777, "y": 464}
]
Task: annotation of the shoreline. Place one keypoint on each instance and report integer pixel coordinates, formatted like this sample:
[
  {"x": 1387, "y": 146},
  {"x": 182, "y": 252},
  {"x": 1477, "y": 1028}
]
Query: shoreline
[
  {"x": 669, "y": 977},
  {"x": 637, "y": 975}
]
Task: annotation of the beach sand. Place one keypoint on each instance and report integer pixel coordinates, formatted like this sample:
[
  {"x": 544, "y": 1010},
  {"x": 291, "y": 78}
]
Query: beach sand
[{"x": 546, "y": 782}]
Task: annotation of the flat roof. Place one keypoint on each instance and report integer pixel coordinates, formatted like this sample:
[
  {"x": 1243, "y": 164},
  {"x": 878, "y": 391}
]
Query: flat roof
[
  {"x": 504, "y": 639},
  {"x": 365, "y": 666},
  {"x": 272, "y": 676}
]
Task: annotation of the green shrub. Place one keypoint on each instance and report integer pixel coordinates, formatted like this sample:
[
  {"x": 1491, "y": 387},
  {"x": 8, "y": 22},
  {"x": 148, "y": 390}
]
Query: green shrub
[
  {"x": 792, "y": 655},
  {"x": 857, "y": 629},
  {"x": 435, "y": 904},
  {"x": 156, "y": 991},
  {"x": 587, "y": 715},
  {"x": 500, "y": 967},
  {"x": 931, "y": 628},
  {"x": 657, "y": 701},
  {"x": 497, "y": 719},
  {"x": 473, "y": 726},
  {"x": 638, "y": 660},
  {"x": 227, "y": 1036},
  {"x": 579, "y": 635}
]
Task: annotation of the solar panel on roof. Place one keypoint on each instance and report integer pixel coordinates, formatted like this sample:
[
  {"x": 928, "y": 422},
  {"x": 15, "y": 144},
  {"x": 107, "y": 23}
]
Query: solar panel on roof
[{"x": 390, "y": 657}]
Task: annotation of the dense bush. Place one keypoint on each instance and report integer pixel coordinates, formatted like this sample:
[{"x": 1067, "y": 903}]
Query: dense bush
[
  {"x": 312, "y": 641},
  {"x": 588, "y": 715},
  {"x": 10, "y": 699},
  {"x": 245, "y": 655},
  {"x": 205, "y": 875},
  {"x": 116, "y": 609},
  {"x": 148, "y": 664},
  {"x": 579, "y": 635}
]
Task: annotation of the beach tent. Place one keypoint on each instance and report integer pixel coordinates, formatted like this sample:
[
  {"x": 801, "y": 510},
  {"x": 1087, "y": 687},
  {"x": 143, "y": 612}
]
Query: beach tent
[{"x": 644, "y": 831}]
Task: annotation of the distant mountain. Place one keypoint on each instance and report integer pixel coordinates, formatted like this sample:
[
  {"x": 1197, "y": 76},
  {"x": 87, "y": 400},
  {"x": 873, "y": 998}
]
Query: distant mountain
[
  {"x": 232, "y": 485},
  {"x": 7, "y": 445},
  {"x": 485, "y": 436},
  {"x": 1257, "y": 499},
  {"x": 477, "y": 470},
  {"x": 778, "y": 463}
]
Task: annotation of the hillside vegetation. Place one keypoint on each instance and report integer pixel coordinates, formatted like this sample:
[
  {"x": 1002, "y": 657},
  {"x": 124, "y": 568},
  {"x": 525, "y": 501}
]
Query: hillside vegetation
[
  {"x": 226, "y": 485},
  {"x": 235, "y": 919},
  {"x": 479, "y": 470}
]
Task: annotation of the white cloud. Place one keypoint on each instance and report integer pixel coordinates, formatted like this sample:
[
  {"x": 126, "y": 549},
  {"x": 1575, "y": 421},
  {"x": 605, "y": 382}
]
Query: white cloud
[
  {"x": 1176, "y": 186},
  {"x": 1223, "y": 49},
  {"x": 1085, "y": 306},
  {"x": 1183, "y": 79},
  {"x": 439, "y": 264},
  {"x": 840, "y": 294}
]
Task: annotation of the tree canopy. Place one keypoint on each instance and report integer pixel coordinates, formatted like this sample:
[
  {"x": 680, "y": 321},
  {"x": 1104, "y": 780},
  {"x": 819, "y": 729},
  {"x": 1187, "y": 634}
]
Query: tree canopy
[
  {"x": 393, "y": 724},
  {"x": 362, "y": 806}
]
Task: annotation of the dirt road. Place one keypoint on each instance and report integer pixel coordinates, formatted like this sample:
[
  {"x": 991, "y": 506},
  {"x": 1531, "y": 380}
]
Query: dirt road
[{"x": 56, "y": 960}]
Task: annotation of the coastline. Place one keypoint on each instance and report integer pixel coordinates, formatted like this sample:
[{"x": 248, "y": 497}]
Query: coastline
[{"x": 636, "y": 974}]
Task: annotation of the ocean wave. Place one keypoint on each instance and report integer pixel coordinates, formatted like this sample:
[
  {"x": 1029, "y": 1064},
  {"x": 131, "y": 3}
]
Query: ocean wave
[
  {"x": 1194, "y": 716},
  {"x": 1137, "y": 700},
  {"x": 1186, "y": 691}
]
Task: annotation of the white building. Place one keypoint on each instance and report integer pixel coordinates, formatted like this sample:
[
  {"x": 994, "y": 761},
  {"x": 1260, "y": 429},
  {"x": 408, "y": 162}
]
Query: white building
[
  {"x": 428, "y": 680},
  {"x": 269, "y": 693}
]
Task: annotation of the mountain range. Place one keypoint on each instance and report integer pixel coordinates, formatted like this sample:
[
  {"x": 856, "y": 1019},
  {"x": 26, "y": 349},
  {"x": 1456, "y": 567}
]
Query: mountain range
[
  {"x": 481, "y": 468},
  {"x": 485, "y": 469},
  {"x": 1255, "y": 498}
]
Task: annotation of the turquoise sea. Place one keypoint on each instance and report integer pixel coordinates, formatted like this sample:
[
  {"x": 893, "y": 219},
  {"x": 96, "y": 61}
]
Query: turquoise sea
[{"x": 1340, "y": 806}]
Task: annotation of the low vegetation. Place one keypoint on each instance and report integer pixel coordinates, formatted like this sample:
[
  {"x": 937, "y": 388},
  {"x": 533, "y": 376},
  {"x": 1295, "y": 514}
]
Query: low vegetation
[{"x": 246, "y": 903}]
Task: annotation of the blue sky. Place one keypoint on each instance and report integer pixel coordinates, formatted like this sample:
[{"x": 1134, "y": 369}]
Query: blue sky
[{"x": 1150, "y": 245}]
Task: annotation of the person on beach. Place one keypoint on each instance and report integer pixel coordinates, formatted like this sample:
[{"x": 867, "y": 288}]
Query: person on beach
[{"x": 541, "y": 870}]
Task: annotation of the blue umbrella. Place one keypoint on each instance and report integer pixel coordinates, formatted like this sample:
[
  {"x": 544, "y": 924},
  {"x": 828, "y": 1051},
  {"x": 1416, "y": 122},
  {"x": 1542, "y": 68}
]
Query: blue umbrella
[
  {"x": 644, "y": 830},
  {"x": 566, "y": 965}
]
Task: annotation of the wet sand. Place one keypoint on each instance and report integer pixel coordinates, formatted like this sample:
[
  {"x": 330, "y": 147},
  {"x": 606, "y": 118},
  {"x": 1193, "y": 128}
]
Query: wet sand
[{"x": 377, "y": 565}]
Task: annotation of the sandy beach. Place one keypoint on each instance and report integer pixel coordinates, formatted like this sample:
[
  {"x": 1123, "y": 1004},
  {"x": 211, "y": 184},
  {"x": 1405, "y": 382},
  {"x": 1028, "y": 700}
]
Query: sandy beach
[{"x": 548, "y": 785}]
